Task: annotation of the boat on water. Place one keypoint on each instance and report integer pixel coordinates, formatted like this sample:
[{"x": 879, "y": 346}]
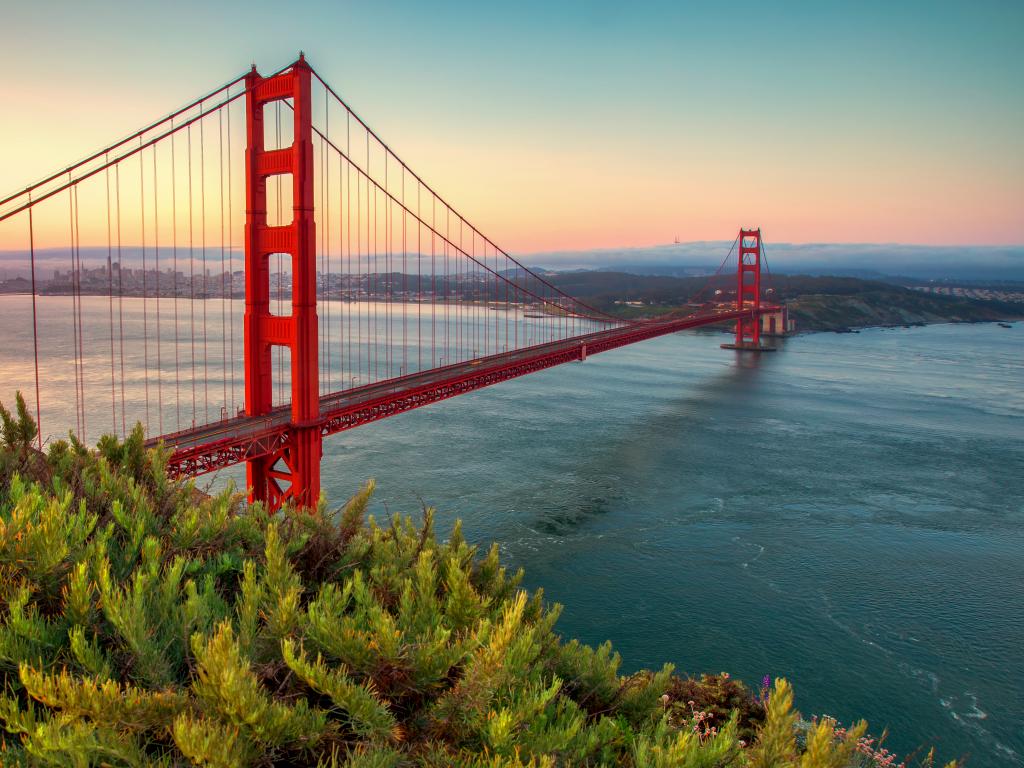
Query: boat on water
[{"x": 1004, "y": 325}]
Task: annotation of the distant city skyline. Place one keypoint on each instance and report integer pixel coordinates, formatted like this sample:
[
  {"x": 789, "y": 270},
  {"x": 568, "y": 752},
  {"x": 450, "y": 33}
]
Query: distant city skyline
[
  {"x": 576, "y": 126},
  {"x": 863, "y": 259}
]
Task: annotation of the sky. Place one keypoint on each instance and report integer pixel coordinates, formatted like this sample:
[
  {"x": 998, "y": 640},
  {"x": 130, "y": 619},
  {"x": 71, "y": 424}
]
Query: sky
[{"x": 562, "y": 126}]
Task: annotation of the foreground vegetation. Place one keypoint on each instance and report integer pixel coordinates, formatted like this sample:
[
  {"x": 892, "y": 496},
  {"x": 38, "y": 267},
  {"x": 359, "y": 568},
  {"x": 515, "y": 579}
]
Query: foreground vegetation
[{"x": 145, "y": 624}]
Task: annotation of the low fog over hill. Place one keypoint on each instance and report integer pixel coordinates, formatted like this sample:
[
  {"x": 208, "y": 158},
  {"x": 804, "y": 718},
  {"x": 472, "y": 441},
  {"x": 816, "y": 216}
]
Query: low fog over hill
[{"x": 857, "y": 260}]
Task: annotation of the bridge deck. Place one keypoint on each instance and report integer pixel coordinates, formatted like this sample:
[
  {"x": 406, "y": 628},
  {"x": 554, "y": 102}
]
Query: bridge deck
[{"x": 234, "y": 440}]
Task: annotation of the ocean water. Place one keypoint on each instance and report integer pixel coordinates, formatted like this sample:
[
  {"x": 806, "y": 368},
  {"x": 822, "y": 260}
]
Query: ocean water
[{"x": 847, "y": 512}]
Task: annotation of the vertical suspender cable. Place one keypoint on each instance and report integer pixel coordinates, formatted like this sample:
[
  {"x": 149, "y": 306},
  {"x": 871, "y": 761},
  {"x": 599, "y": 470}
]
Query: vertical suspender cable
[
  {"x": 156, "y": 251},
  {"x": 81, "y": 326},
  {"x": 192, "y": 274},
  {"x": 74, "y": 308},
  {"x": 371, "y": 269},
  {"x": 206, "y": 292},
  {"x": 348, "y": 238},
  {"x": 345, "y": 243},
  {"x": 419, "y": 279},
  {"x": 389, "y": 336},
  {"x": 404, "y": 370},
  {"x": 74, "y": 316},
  {"x": 506, "y": 313},
  {"x": 318, "y": 203},
  {"x": 342, "y": 207},
  {"x": 325, "y": 200},
  {"x": 231, "y": 264},
  {"x": 145, "y": 313},
  {"x": 497, "y": 294},
  {"x": 110, "y": 306},
  {"x": 322, "y": 284},
  {"x": 359, "y": 276},
  {"x": 457, "y": 256},
  {"x": 280, "y": 263},
  {"x": 447, "y": 314},
  {"x": 35, "y": 325},
  {"x": 475, "y": 312},
  {"x": 387, "y": 274},
  {"x": 120, "y": 292},
  {"x": 433, "y": 281},
  {"x": 174, "y": 287},
  {"x": 223, "y": 265},
  {"x": 80, "y": 406}
]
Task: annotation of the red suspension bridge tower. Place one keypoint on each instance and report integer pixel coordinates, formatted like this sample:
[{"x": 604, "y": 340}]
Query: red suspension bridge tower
[
  {"x": 748, "y": 293},
  {"x": 292, "y": 471}
]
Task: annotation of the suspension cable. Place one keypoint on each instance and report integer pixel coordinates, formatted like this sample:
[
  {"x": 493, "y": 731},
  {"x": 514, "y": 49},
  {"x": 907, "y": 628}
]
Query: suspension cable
[
  {"x": 366, "y": 173},
  {"x": 718, "y": 271},
  {"x": 116, "y": 161},
  {"x": 601, "y": 316},
  {"x": 107, "y": 150},
  {"x": 228, "y": 99},
  {"x": 388, "y": 149}
]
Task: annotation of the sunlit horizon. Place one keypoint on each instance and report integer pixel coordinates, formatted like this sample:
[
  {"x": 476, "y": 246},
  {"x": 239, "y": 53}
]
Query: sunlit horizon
[{"x": 555, "y": 132}]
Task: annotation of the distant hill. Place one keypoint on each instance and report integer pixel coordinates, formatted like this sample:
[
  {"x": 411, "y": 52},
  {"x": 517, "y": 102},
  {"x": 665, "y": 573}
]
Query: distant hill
[{"x": 818, "y": 303}]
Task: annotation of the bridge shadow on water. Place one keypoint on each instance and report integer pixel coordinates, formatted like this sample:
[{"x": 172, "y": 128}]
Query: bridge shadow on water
[{"x": 614, "y": 470}]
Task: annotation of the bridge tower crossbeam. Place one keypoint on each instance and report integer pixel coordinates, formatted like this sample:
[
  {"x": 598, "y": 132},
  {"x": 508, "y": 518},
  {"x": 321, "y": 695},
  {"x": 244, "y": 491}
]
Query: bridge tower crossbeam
[{"x": 292, "y": 472}]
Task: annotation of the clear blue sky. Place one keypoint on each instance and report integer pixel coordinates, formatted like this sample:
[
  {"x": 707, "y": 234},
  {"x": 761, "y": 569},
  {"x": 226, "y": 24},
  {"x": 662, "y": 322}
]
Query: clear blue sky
[{"x": 573, "y": 124}]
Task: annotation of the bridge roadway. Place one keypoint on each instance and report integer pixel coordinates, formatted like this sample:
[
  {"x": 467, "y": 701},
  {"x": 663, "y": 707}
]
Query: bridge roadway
[{"x": 234, "y": 440}]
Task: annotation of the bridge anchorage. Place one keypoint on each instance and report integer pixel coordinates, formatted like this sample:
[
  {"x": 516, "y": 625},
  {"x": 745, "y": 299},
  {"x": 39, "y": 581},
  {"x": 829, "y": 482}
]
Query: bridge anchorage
[{"x": 372, "y": 297}]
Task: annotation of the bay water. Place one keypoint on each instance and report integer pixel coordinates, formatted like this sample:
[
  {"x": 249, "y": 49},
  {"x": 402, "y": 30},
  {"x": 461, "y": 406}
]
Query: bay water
[{"x": 846, "y": 512}]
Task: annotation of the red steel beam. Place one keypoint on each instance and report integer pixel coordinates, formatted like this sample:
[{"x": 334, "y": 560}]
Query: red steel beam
[{"x": 233, "y": 441}]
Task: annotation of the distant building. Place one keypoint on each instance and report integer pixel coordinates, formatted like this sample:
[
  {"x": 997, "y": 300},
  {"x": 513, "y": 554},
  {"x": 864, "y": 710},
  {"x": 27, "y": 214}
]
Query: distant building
[{"x": 777, "y": 323}]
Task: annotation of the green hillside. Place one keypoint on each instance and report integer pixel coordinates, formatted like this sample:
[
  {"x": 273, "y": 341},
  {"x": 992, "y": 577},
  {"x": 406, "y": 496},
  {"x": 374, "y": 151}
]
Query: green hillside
[{"x": 817, "y": 303}]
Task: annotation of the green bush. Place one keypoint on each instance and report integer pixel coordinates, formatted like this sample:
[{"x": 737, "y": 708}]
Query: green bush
[{"x": 145, "y": 624}]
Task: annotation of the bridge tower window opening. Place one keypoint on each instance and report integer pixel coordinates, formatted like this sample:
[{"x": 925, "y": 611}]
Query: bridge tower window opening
[
  {"x": 280, "y": 196},
  {"x": 278, "y": 127}
]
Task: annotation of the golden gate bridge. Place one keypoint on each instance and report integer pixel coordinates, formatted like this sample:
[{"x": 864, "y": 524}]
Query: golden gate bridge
[{"x": 366, "y": 294}]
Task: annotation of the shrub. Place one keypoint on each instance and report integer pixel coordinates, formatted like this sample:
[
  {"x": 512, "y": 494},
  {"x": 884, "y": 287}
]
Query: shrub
[{"x": 144, "y": 624}]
